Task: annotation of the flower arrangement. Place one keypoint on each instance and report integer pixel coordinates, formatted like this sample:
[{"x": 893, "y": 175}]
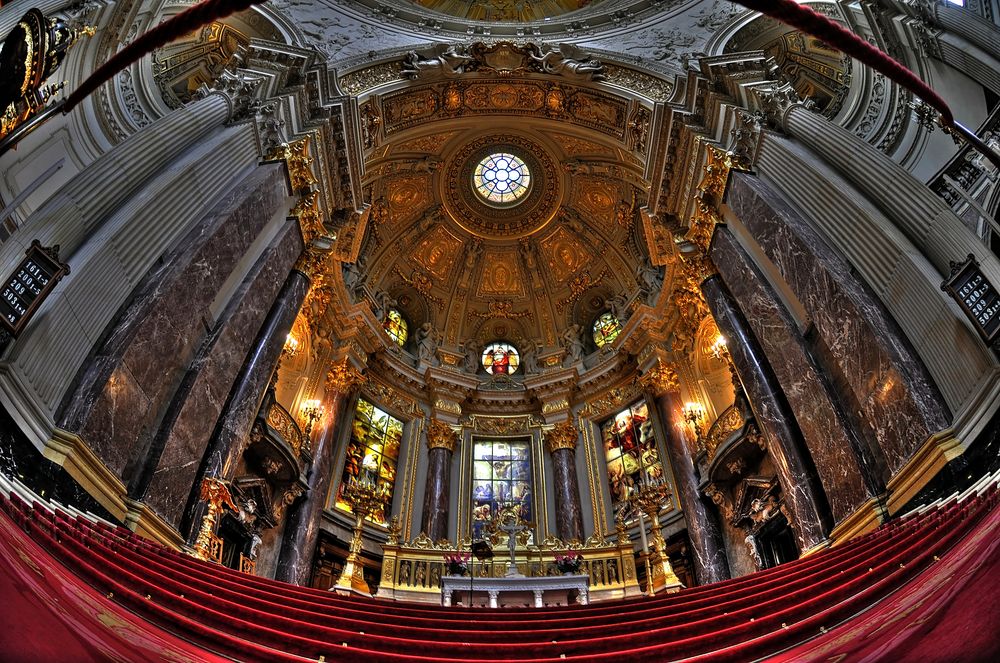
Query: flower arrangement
[
  {"x": 457, "y": 563},
  {"x": 570, "y": 562}
]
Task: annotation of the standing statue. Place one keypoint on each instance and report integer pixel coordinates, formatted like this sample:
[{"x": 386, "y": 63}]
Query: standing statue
[
  {"x": 428, "y": 340},
  {"x": 570, "y": 62},
  {"x": 573, "y": 344},
  {"x": 649, "y": 277},
  {"x": 618, "y": 305},
  {"x": 383, "y": 302},
  {"x": 443, "y": 59},
  {"x": 471, "y": 350},
  {"x": 530, "y": 358}
]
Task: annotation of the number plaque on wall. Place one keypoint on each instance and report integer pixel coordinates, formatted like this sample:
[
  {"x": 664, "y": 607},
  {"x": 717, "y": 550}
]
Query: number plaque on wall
[
  {"x": 29, "y": 285},
  {"x": 978, "y": 297}
]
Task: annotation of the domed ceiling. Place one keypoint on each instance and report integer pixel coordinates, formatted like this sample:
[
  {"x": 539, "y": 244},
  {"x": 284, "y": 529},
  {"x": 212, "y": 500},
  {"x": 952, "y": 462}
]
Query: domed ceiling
[{"x": 506, "y": 10}]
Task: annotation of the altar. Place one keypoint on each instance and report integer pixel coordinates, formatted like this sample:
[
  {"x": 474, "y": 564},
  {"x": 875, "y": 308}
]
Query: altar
[{"x": 518, "y": 589}]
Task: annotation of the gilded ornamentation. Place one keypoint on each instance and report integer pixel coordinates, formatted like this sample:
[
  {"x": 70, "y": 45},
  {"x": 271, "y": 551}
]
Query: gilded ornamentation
[
  {"x": 426, "y": 144},
  {"x": 437, "y": 251},
  {"x": 342, "y": 377},
  {"x": 215, "y": 493},
  {"x": 580, "y": 284},
  {"x": 501, "y": 276},
  {"x": 730, "y": 421},
  {"x": 441, "y": 436},
  {"x": 564, "y": 254},
  {"x": 502, "y": 308},
  {"x": 310, "y": 218},
  {"x": 563, "y": 436},
  {"x": 661, "y": 379},
  {"x": 559, "y": 405},
  {"x": 574, "y": 146},
  {"x": 450, "y": 407},
  {"x": 421, "y": 283},
  {"x": 389, "y": 397},
  {"x": 282, "y": 422},
  {"x": 296, "y": 156},
  {"x": 613, "y": 399},
  {"x": 649, "y": 86},
  {"x": 501, "y": 425}
]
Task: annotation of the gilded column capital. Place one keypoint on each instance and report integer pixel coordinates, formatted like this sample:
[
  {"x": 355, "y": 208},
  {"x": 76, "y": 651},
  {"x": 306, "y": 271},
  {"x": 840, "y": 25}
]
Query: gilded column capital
[
  {"x": 661, "y": 379},
  {"x": 563, "y": 436},
  {"x": 343, "y": 377},
  {"x": 441, "y": 436}
]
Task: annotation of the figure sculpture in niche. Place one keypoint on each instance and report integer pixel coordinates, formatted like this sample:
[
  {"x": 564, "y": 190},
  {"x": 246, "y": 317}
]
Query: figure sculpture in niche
[
  {"x": 443, "y": 59},
  {"x": 428, "y": 341},
  {"x": 471, "y": 350},
  {"x": 649, "y": 277},
  {"x": 618, "y": 305},
  {"x": 570, "y": 61},
  {"x": 573, "y": 344},
  {"x": 530, "y": 358}
]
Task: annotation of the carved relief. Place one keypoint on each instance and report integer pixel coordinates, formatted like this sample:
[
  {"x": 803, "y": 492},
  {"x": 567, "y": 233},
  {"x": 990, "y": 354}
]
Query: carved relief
[
  {"x": 500, "y": 275},
  {"x": 564, "y": 255},
  {"x": 429, "y": 144},
  {"x": 436, "y": 253}
]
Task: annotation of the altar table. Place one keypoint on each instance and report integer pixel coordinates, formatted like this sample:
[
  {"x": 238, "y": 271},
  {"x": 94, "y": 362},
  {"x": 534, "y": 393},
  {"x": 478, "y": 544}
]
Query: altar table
[{"x": 535, "y": 586}]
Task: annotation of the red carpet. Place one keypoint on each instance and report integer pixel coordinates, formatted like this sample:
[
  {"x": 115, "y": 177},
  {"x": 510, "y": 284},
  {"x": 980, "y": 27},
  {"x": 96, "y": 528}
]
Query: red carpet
[{"x": 77, "y": 590}]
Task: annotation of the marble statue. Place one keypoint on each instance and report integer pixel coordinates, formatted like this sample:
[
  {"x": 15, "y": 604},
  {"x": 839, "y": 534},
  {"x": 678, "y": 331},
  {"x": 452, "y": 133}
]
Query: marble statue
[
  {"x": 573, "y": 344},
  {"x": 443, "y": 59},
  {"x": 471, "y": 350},
  {"x": 428, "y": 341},
  {"x": 529, "y": 360},
  {"x": 570, "y": 62}
]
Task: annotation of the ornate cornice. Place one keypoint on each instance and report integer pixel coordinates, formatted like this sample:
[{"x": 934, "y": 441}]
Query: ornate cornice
[
  {"x": 563, "y": 436},
  {"x": 441, "y": 436}
]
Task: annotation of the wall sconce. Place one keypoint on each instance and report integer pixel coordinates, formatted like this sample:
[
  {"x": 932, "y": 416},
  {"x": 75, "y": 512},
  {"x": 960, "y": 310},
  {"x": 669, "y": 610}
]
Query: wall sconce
[
  {"x": 718, "y": 349},
  {"x": 291, "y": 346},
  {"x": 313, "y": 411},
  {"x": 694, "y": 413}
]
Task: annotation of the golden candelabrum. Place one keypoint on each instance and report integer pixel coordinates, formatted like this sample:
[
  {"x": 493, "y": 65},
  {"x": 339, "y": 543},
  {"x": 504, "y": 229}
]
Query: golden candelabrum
[
  {"x": 312, "y": 410},
  {"x": 364, "y": 499},
  {"x": 648, "y": 498},
  {"x": 215, "y": 493}
]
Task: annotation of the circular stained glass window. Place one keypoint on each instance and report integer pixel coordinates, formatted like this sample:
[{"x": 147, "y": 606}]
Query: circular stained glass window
[
  {"x": 501, "y": 359},
  {"x": 606, "y": 329},
  {"x": 395, "y": 326},
  {"x": 501, "y": 179}
]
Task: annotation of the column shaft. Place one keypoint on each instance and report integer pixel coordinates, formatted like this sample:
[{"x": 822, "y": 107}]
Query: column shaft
[
  {"x": 434, "y": 520},
  {"x": 298, "y": 544},
  {"x": 704, "y": 531},
  {"x": 566, "y": 486},
  {"x": 233, "y": 427},
  {"x": 803, "y": 494}
]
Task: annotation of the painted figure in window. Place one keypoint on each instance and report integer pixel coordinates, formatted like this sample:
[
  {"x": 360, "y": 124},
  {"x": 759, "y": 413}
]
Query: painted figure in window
[
  {"x": 501, "y": 476},
  {"x": 606, "y": 329},
  {"x": 372, "y": 454},
  {"x": 396, "y": 327},
  {"x": 630, "y": 451},
  {"x": 500, "y": 359}
]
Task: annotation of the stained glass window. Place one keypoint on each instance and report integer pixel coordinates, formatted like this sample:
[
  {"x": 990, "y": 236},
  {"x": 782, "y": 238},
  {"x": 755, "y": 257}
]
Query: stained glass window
[
  {"x": 501, "y": 476},
  {"x": 395, "y": 326},
  {"x": 372, "y": 454},
  {"x": 501, "y": 359},
  {"x": 630, "y": 450},
  {"x": 606, "y": 329},
  {"x": 501, "y": 178}
]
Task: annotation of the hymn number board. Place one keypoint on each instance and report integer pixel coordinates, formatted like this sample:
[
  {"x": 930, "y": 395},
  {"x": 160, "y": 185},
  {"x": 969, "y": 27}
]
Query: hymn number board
[
  {"x": 977, "y": 297},
  {"x": 26, "y": 289}
]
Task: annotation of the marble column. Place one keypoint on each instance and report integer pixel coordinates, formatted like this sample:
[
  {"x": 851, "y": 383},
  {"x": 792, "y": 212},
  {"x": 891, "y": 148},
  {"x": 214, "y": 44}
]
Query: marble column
[
  {"x": 561, "y": 444},
  {"x": 704, "y": 530},
  {"x": 442, "y": 440},
  {"x": 298, "y": 544},
  {"x": 233, "y": 427},
  {"x": 803, "y": 494}
]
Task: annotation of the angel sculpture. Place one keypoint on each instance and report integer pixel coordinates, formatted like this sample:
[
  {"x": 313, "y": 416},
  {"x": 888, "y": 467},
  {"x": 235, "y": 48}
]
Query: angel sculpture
[
  {"x": 443, "y": 59},
  {"x": 570, "y": 62}
]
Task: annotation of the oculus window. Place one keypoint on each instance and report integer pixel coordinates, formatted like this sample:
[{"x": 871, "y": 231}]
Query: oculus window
[
  {"x": 501, "y": 359},
  {"x": 501, "y": 179},
  {"x": 606, "y": 329},
  {"x": 372, "y": 454},
  {"x": 395, "y": 326},
  {"x": 501, "y": 477},
  {"x": 630, "y": 450}
]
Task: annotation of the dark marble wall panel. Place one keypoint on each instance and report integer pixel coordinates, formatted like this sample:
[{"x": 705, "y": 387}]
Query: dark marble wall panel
[
  {"x": 862, "y": 347},
  {"x": 189, "y": 424},
  {"x": 566, "y": 488},
  {"x": 826, "y": 434},
  {"x": 121, "y": 392}
]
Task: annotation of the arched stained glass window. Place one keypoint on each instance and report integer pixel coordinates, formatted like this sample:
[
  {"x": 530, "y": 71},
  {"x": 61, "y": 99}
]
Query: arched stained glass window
[
  {"x": 372, "y": 455},
  {"x": 606, "y": 329},
  {"x": 501, "y": 477},
  {"x": 395, "y": 326},
  {"x": 501, "y": 178},
  {"x": 501, "y": 359},
  {"x": 631, "y": 452}
]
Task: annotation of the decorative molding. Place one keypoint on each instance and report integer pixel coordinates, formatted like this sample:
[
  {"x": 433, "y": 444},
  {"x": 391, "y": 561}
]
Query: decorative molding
[
  {"x": 660, "y": 379},
  {"x": 73, "y": 454},
  {"x": 441, "y": 436},
  {"x": 924, "y": 465},
  {"x": 343, "y": 377},
  {"x": 146, "y": 523}
]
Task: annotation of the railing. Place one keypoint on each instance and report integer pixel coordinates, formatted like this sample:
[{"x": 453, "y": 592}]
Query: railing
[
  {"x": 412, "y": 572},
  {"x": 283, "y": 423},
  {"x": 730, "y": 421}
]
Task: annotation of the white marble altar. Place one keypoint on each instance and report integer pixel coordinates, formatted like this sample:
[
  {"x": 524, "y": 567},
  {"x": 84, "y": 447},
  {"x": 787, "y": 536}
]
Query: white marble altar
[{"x": 534, "y": 586}]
